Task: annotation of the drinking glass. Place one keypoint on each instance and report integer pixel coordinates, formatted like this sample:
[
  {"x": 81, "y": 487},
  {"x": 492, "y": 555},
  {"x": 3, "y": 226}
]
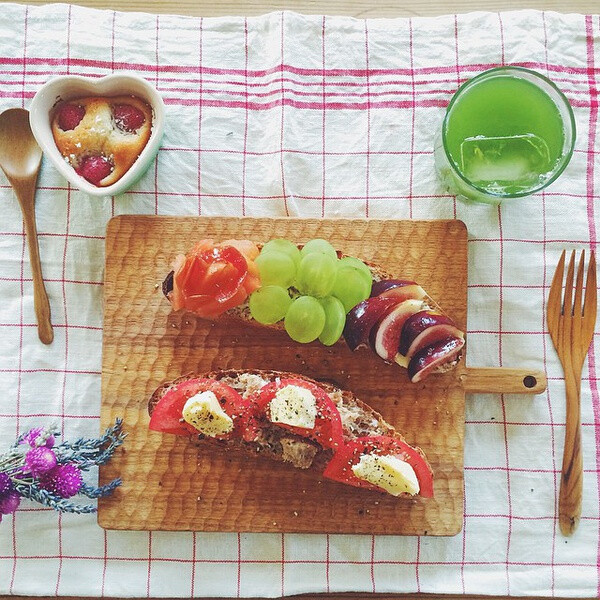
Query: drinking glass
[{"x": 508, "y": 132}]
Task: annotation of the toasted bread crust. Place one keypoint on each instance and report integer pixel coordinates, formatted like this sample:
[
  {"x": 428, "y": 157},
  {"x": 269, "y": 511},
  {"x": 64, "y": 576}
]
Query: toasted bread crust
[{"x": 363, "y": 420}]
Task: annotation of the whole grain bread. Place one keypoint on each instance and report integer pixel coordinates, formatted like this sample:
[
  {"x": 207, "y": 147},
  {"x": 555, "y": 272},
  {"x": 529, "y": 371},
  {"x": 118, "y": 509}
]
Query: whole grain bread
[{"x": 276, "y": 443}]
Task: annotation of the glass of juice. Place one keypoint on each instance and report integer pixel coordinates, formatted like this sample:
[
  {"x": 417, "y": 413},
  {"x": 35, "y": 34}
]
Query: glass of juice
[{"x": 508, "y": 132}]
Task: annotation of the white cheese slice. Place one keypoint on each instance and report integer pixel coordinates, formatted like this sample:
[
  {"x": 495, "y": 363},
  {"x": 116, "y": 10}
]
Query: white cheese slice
[
  {"x": 387, "y": 472},
  {"x": 293, "y": 405},
  {"x": 204, "y": 412}
]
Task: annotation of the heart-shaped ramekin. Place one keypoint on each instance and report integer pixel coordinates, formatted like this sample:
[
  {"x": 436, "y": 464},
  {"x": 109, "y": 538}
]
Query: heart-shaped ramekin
[{"x": 68, "y": 87}]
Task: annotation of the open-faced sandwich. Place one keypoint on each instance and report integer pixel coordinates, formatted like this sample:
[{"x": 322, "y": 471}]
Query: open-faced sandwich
[
  {"x": 293, "y": 419},
  {"x": 315, "y": 292}
]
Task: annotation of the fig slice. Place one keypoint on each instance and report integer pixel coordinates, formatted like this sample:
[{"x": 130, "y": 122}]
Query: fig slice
[
  {"x": 398, "y": 288},
  {"x": 385, "y": 336},
  {"x": 387, "y": 284},
  {"x": 431, "y": 358},
  {"x": 361, "y": 319},
  {"x": 425, "y": 328}
]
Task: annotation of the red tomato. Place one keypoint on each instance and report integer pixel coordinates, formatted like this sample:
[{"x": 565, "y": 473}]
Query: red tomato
[
  {"x": 167, "y": 414},
  {"x": 211, "y": 279},
  {"x": 340, "y": 466},
  {"x": 328, "y": 425}
]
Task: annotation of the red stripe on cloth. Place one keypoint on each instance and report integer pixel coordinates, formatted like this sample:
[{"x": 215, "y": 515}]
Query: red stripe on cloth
[
  {"x": 279, "y": 69},
  {"x": 593, "y": 122},
  {"x": 66, "y": 330},
  {"x": 412, "y": 121},
  {"x": 156, "y": 71},
  {"x": 417, "y": 563},
  {"x": 283, "y": 564},
  {"x": 247, "y": 112},
  {"x": 149, "y": 574},
  {"x": 368, "y": 107},
  {"x": 200, "y": 97},
  {"x": 373, "y": 587},
  {"x": 283, "y": 102},
  {"x": 323, "y": 83},
  {"x": 20, "y": 357},
  {"x": 327, "y": 563},
  {"x": 239, "y": 565},
  {"x": 545, "y": 350}
]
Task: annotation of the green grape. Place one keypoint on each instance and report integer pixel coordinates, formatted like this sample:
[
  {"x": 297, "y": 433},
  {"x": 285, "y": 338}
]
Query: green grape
[
  {"x": 350, "y": 287},
  {"x": 350, "y": 261},
  {"x": 317, "y": 245},
  {"x": 285, "y": 246},
  {"x": 316, "y": 274},
  {"x": 276, "y": 268},
  {"x": 269, "y": 304},
  {"x": 335, "y": 319},
  {"x": 305, "y": 319}
]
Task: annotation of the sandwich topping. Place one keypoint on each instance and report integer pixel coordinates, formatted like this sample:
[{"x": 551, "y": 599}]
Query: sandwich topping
[
  {"x": 293, "y": 405},
  {"x": 297, "y": 419},
  {"x": 204, "y": 413},
  {"x": 387, "y": 472},
  {"x": 312, "y": 293}
]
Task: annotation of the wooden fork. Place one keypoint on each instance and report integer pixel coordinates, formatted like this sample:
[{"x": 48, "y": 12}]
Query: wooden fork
[{"x": 571, "y": 327}]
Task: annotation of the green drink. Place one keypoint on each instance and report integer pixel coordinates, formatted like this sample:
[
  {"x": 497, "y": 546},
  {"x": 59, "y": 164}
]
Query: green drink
[{"x": 507, "y": 133}]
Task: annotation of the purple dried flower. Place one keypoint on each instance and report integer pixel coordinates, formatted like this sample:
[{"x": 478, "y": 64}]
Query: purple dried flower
[
  {"x": 39, "y": 460},
  {"x": 5, "y": 483},
  {"x": 63, "y": 480},
  {"x": 32, "y": 436},
  {"x": 9, "y": 502}
]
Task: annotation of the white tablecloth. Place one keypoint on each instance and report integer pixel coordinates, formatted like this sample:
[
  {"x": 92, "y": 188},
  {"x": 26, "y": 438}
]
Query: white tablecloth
[{"x": 307, "y": 116}]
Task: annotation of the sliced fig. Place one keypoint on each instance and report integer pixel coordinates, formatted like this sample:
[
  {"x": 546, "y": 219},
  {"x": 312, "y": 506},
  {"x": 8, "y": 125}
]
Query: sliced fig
[
  {"x": 385, "y": 335},
  {"x": 425, "y": 328},
  {"x": 387, "y": 284},
  {"x": 361, "y": 319},
  {"x": 398, "y": 288},
  {"x": 431, "y": 358}
]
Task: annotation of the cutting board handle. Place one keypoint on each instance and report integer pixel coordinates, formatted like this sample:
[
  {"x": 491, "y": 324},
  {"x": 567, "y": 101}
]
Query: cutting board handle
[{"x": 499, "y": 380}]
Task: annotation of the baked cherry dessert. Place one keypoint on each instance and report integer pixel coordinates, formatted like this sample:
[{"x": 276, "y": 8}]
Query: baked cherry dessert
[{"x": 101, "y": 137}]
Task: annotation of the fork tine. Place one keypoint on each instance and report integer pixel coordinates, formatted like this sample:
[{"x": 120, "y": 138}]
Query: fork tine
[
  {"x": 577, "y": 309},
  {"x": 577, "y": 332},
  {"x": 590, "y": 301},
  {"x": 554, "y": 298},
  {"x": 568, "y": 295}
]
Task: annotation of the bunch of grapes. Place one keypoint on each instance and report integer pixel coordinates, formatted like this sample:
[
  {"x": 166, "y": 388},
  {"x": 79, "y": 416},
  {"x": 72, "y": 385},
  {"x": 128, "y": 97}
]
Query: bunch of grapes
[{"x": 311, "y": 289}]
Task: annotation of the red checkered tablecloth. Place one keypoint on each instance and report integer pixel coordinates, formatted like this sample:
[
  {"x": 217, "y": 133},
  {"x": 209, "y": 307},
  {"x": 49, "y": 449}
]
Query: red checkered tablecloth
[{"x": 307, "y": 116}]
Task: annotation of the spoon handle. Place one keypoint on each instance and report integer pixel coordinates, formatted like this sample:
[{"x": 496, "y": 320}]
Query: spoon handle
[{"x": 25, "y": 193}]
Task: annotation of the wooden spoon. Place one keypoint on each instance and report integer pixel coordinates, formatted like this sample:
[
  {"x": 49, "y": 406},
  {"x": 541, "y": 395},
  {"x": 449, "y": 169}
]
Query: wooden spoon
[{"x": 20, "y": 159}]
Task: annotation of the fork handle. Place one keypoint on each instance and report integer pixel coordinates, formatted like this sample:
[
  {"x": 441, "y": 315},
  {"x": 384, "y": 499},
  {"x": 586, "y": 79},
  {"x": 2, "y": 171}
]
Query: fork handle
[{"x": 571, "y": 482}]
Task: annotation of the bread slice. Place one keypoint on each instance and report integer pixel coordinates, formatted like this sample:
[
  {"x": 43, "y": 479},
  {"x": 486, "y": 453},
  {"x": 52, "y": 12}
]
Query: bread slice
[{"x": 275, "y": 443}]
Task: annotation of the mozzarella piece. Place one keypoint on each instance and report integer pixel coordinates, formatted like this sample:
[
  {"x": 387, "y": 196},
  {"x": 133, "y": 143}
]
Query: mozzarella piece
[
  {"x": 294, "y": 405},
  {"x": 204, "y": 412},
  {"x": 393, "y": 475}
]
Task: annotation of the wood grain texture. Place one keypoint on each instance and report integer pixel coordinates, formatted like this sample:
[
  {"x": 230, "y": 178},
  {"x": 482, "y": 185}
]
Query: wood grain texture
[
  {"x": 353, "y": 8},
  {"x": 172, "y": 485}
]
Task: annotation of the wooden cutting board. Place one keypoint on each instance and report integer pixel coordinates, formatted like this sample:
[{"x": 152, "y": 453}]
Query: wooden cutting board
[{"x": 170, "y": 484}]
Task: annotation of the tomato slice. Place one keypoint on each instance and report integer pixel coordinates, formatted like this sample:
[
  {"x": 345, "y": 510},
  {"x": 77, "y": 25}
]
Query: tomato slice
[
  {"x": 167, "y": 414},
  {"x": 210, "y": 279},
  {"x": 328, "y": 424},
  {"x": 340, "y": 466}
]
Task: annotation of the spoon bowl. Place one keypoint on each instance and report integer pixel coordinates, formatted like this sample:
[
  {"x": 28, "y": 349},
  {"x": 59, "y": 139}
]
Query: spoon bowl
[{"x": 20, "y": 159}]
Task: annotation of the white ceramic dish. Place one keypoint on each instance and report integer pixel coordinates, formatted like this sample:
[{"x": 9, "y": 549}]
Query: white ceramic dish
[{"x": 70, "y": 86}]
